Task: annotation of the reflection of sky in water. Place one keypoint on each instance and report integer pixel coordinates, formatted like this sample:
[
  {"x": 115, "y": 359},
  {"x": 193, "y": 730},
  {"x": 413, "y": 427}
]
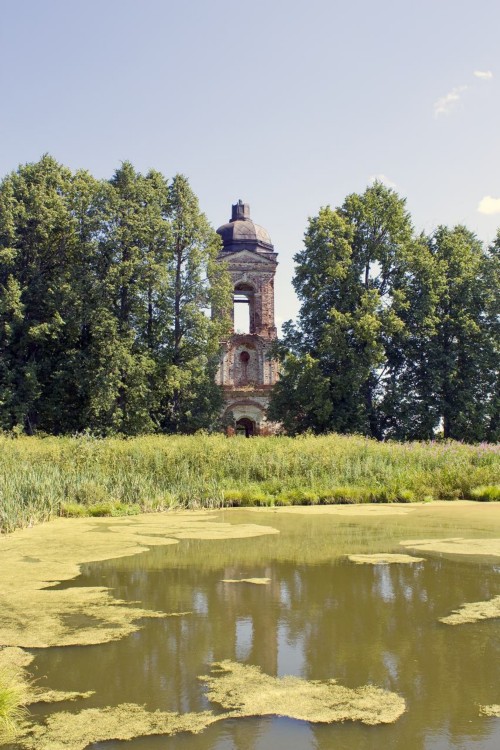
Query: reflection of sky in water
[
  {"x": 200, "y": 603},
  {"x": 297, "y": 582},
  {"x": 244, "y": 637},
  {"x": 383, "y": 583},
  {"x": 391, "y": 664},
  {"x": 408, "y": 593},
  {"x": 283, "y": 734},
  {"x": 443, "y": 741},
  {"x": 271, "y": 734},
  {"x": 290, "y": 653},
  {"x": 285, "y": 597}
]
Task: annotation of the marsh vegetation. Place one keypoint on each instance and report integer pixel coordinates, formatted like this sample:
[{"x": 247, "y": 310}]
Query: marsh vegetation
[{"x": 84, "y": 476}]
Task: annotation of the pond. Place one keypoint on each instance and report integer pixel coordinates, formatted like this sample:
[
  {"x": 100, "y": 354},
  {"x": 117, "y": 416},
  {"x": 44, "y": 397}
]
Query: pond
[{"x": 294, "y": 603}]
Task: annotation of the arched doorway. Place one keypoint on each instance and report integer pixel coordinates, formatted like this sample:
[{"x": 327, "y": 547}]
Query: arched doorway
[{"x": 245, "y": 427}]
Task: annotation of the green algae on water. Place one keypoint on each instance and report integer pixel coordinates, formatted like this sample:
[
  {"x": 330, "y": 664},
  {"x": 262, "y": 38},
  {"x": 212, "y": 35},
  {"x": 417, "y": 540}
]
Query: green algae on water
[
  {"x": 241, "y": 690},
  {"x": 17, "y": 660},
  {"x": 246, "y": 691},
  {"x": 455, "y": 546},
  {"x": 59, "y": 696},
  {"x": 493, "y": 710},
  {"x": 474, "y": 612},
  {"x": 384, "y": 559},
  {"x": 35, "y": 615},
  {"x": 364, "y": 509},
  {"x": 257, "y": 581},
  {"x": 77, "y": 731},
  {"x": 12, "y": 656}
]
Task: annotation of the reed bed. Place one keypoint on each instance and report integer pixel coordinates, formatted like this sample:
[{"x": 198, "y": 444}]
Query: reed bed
[
  {"x": 13, "y": 698},
  {"x": 44, "y": 477}
]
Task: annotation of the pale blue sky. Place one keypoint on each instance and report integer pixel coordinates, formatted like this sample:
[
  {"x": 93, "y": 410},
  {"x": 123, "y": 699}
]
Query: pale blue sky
[{"x": 287, "y": 105}]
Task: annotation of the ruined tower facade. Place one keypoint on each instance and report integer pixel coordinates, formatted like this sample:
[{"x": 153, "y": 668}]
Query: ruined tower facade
[{"x": 246, "y": 371}]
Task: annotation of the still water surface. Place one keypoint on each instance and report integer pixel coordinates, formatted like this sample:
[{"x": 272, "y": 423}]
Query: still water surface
[{"x": 320, "y": 617}]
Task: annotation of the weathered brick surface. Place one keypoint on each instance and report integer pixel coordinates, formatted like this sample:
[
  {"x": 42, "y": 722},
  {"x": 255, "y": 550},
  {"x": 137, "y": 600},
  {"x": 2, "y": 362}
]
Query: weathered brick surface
[{"x": 246, "y": 372}]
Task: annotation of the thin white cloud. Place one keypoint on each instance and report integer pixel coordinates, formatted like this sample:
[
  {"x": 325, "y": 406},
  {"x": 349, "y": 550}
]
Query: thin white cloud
[
  {"x": 446, "y": 104},
  {"x": 485, "y": 75},
  {"x": 489, "y": 205},
  {"x": 384, "y": 180}
]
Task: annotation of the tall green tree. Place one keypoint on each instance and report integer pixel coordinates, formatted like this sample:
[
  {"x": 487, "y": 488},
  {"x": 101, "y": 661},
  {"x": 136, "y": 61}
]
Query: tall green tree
[
  {"x": 345, "y": 279},
  {"x": 444, "y": 365},
  {"x": 130, "y": 259},
  {"x": 464, "y": 352},
  {"x": 155, "y": 344},
  {"x": 38, "y": 300},
  {"x": 398, "y": 336},
  {"x": 197, "y": 284},
  {"x": 105, "y": 291},
  {"x": 408, "y": 409},
  {"x": 491, "y": 275}
]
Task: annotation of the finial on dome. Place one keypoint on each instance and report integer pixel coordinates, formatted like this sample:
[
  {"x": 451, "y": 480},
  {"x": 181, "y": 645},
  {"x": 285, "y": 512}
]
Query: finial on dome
[{"x": 240, "y": 211}]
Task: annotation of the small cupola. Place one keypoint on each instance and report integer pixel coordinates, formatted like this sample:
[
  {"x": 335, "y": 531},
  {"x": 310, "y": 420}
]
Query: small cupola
[{"x": 241, "y": 233}]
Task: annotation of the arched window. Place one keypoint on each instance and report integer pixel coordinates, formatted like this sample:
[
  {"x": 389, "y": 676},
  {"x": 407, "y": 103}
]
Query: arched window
[{"x": 244, "y": 360}]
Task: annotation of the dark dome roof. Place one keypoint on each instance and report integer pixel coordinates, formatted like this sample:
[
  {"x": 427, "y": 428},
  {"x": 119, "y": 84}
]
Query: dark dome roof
[{"x": 241, "y": 233}]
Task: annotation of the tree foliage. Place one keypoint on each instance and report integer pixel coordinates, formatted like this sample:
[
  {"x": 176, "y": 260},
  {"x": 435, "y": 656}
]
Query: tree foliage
[
  {"x": 397, "y": 334},
  {"x": 104, "y": 294}
]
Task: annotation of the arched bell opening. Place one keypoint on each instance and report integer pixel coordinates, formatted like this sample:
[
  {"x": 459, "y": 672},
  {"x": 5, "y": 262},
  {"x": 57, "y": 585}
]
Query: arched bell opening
[{"x": 244, "y": 308}]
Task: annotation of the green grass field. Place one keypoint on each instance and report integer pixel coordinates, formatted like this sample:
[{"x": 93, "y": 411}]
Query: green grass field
[{"x": 45, "y": 477}]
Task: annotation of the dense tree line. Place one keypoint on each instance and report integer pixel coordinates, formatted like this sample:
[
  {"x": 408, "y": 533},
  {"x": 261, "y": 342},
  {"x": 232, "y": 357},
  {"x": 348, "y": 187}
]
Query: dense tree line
[
  {"x": 398, "y": 334},
  {"x": 104, "y": 293},
  {"x": 105, "y": 288}
]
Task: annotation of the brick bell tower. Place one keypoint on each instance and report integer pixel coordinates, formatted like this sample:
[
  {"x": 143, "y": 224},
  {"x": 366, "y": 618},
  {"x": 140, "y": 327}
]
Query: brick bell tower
[{"x": 246, "y": 372}]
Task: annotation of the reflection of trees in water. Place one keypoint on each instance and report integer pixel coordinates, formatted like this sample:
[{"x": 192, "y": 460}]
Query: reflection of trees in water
[
  {"x": 355, "y": 623},
  {"x": 363, "y": 636}
]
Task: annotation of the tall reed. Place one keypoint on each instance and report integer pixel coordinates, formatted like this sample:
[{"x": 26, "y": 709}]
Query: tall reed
[
  {"x": 44, "y": 477},
  {"x": 13, "y": 698}
]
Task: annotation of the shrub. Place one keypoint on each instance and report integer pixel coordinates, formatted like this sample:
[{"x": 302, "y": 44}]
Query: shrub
[
  {"x": 486, "y": 493},
  {"x": 405, "y": 496},
  {"x": 72, "y": 510},
  {"x": 344, "y": 496},
  {"x": 90, "y": 493},
  {"x": 297, "y": 497}
]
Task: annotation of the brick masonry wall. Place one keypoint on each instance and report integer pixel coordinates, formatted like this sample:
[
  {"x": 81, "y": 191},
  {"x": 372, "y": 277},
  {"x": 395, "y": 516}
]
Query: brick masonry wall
[{"x": 246, "y": 372}]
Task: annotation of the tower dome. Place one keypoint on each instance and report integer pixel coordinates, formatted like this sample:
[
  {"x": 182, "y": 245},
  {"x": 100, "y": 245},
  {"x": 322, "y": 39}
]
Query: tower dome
[{"x": 241, "y": 233}]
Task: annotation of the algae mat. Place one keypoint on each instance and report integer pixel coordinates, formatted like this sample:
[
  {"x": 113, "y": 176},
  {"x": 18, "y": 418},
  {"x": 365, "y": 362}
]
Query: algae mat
[
  {"x": 241, "y": 690},
  {"x": 34, "y": 614},
  {"x": 70, "y": 731},
  {"x": 16, "y": 661},
  {"x": 321, "y": 634},
  {"x": 493, "y": 710},
  {"x": 384, "y": 559},
  {"x": 256, "y": 581},
  {"x": 247, "y": 691},
  {"x": 455, "y": 546},
  {"x": 474, "y": 612}
]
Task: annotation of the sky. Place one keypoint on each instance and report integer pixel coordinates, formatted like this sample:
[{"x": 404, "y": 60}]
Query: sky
[{"x": 289, "y": 106}]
